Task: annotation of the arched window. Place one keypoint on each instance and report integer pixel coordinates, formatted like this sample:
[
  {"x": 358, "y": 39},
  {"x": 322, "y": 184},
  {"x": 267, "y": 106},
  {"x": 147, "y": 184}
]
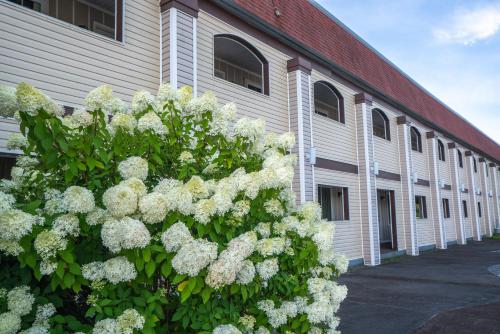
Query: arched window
[
  {"x": 441, "y": 151},
  {"x": 328, "y": 101},
  {"x": 460, "y": 159},
  {"x": 381, "y": 127},
  {"x": 239, "y": 62},
  {"x": 416, "y": 139}
]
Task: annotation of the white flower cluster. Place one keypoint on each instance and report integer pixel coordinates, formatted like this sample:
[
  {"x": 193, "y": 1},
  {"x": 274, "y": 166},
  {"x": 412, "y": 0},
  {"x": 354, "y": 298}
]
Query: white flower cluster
[
  {"x": 20, "y": 303},
  {"x": 125, "y": 122},
  {"x": 267, "y": 268},
  {"x": 151, "y": 122},
  {"x": 141, "y": 100},
  {"x": 115, "y": 270},
  {"x": 134, "y": 167},
  {"x": 30, "y": 100},
  {"x": 327, "y": 296},
  {"x": 231, "y": 261},
  {"x": 126, "y": 233},
  {"x": 102, "y": 98},
  {"x": 8, "y": 101},
  {"x": 248, "y": 322},
  {"x": 14, "y": 224},
  {"x": 120, "y": 200},
  {"x": 47, "y": 244},
  {"x": 274, "y": 208},
  {"x": 126, "y": 323},
  {"x": 272, "y": 246},
  {"x": 78, "y": 200},
  {"x": 79, "y": 118},
  {"x": 226, "y": 329},
  {"x": 17, "y": 141}
]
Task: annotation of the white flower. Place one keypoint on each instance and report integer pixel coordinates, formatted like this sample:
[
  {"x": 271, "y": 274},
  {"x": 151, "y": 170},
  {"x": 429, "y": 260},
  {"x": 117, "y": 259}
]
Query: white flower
[
  {"x": 267, "y": 268},
  {"x": 194, "y": 257},
  {"x": 265, "y": 305},
  {"x": 43, "y": 313},
  {"x": 48, "y": 243},
  {"x": 30, "y": 100},
  {"x": 226, "y": 329},
  {"x": 11, "y": 247},
  {"x": 129, "y": 320},
  {"x": 196, "y": 186},
  {"x": 119, "y": 269},
  {"x": 274, "y": 208},
  {"x": 204, "y": 209},
  {"x": 65, "y": 225},
  {"x": 78, "y": 200},
  {"x": 10, "y": 323},
  {"x": 93, "y": 271},
  {"x": 15, "y": 224},
  {"x": 180, "y": 199},
  {"x": 126, "y": 122},
  {"x": 106, "y": 326},
  {"x": 134, "y": 167},
  {"x": 102, "y": 98},
  {"x": 341, "y": 263},
  {"x": 207, "y": 102},
  {"x": 80, "y": 118},
  {"x": 120, "y": 200},
  {"x": 176, "y": 236},
  {"x": 248, "y": 322},
  {"x": 47, "y": 267},
  {"x": 271, "y": 246},
  {"x": 141, "y": 100},
  {"x": 165, "y": 94},
  {"x": 262, "y": 330},
  {"x": 222, "y": 119},
  {"x": 186, "y": 157},
  {"x": 26, "y": 162},
  {"x": 136, "y": 185},
  {"x": 17, "y": 141},
  {"x": 6, "y": 201},
  {"x": 8, "y": 101},
  {"x": 264, "y": 229},
  {"x": 165, "y": 186},
  {"x": 152, "y": 122},
  {"x": 153, "y": 207},
  {"x": 96, "y": 217},
  {"x": 20, "y": 300},
  {"x": 126, "y": 233},
  {"x": 250, "y": 129},
  {"x": 247, "y": 273},
  {"x": 241, "y": 209}
]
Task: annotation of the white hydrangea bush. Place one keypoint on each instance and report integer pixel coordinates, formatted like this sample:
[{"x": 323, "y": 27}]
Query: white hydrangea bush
[{"x": 171, "y": 216}]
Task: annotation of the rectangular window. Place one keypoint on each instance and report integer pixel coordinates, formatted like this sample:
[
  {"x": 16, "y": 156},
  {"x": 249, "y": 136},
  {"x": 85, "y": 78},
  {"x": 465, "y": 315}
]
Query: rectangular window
[
  {"x": 6, "y": 164},
  {"x": 479, "y": 213},
  {"x": 100, "y": 16},
  {"x": 446, "y": 208},
  {"x": 420, "y": 207},
  {"x": 334, "y": 203},
  {"x": 464, "y": 205}
]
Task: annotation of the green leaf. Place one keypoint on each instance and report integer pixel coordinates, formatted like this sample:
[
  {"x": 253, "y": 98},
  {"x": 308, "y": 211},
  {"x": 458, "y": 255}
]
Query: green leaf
[
  {"x": 244, "y": 293},
  {"x": 67, "y": 256},
  {"x": 74, "y": 268},
  {"x": 205, "y": 295},
  {"x": 166, "y": 269},
  {"x": 150, "y": 268},
  {"x": 69, "y": 279},
  {"x": 60, "y": 270},
  {"x": 146, "y": 254}
]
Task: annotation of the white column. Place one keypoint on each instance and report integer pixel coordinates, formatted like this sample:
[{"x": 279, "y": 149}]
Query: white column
[
  {"x": 476, "y": 228},
  {"x": 486, "y": 187},
  {"x": 458, "y": 214}
]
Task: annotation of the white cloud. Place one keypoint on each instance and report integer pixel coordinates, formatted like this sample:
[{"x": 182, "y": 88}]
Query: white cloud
[{"x": 469, "y": 26}]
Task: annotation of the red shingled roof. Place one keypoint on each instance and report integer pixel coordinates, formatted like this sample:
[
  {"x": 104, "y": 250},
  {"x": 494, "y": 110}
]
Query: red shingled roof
[{"x": 302, "y": 21}]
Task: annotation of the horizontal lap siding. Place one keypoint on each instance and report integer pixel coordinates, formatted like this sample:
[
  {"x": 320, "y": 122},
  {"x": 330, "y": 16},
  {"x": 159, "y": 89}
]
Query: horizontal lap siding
[
  {"x": 444, "y": 170},
  {"x": 334, "y": 140},
  {"x": 425, "y": 227},
  {"x": 347, "y": 233},
  {"x": 273, "y": 109},
  {"x": 185, "y": 49},
  {"x": 386, "y": 152},
  {"x": 396, "y": 187},
  {"x": 449, "y": 223}
]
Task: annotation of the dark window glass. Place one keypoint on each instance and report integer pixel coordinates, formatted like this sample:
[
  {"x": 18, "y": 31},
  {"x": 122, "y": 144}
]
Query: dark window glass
[
  {"x": 334, "y": 203},
  {"x": 381, "y": 127},
  {"x": 94, "y": 15},
  {"x": 464, "y": 206},
  {"x": 416, "y": 140},
  {"x": 237, "y": 61},
  {"x": 6, "y": 164},
  {"x": 460, "y": 159},
  {"x": 328, "y": 101},
  {"x": 441, "y": 150},
  {"x": 475, "y": 164},
  {"x": 420, "y": 207},
  {"x": 446, "y": 208},
  {"x": 479, "y": 212}
]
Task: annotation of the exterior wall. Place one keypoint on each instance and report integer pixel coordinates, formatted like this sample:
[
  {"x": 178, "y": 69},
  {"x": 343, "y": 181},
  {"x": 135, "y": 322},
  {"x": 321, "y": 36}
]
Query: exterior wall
[
  {"x": 273, "y": 108},
  {"x": 386, "y": 152},
  {"x": 425, "y": 226},
  {"x": 400, "y": 218},
  {"x": 347, "y": 233}
]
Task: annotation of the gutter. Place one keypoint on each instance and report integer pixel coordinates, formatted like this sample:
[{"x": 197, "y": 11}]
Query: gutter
[{"x": 256, "y": 22}]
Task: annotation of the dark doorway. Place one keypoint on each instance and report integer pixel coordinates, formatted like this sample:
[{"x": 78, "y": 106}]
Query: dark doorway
[
  {"x": 6, "y": 164},
  {"x": 387, "y": 220}
]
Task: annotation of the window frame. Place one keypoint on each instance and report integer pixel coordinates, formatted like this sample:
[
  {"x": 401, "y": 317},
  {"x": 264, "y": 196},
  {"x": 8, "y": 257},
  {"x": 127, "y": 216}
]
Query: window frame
[
  {"x": 338, "y": 95},
  {"x": 387, "y": 124},
  {"x": 257, "y": 54},
  {"x": 418, "y": 138},
  {"x": 420, "y": 199},
  {"x": 446, "y": 208},
  {"x": 119, "y": 17},
  {"x": 441, "y": 152},
  {"x": 345, "y": 201}
]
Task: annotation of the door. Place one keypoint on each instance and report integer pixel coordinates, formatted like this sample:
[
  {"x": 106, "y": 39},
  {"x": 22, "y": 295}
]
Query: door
[{"x": 386, "y": 219}]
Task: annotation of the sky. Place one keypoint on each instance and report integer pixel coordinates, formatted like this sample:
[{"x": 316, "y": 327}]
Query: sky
[{"x": 450, "y": 47}]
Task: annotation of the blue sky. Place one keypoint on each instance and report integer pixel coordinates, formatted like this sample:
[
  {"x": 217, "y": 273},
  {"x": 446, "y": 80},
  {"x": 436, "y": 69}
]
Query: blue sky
[{"x": 450, "y": 47}]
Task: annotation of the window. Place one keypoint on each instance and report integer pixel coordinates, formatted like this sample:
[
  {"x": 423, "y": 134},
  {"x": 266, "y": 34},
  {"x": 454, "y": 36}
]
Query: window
[
  {"x": 479, "y": 212},
  {"x": 460, "y": 159},
  {"x": 420, "y": 207},
  {"x": 464, "y": 206},
  {"x": 381, "y": 127},
  {"x": 328, "y": 101},
  {"x": 441, "y": 150},
  {"x": 100, "y": 16},
  {"x": 239, "y": 62},
  {"x": 446, "y": 208},
  {"x": 416, "y": 139},
  {"x": 6, "y": 164},
  {"x": 475, "y": 164},
  {"x": 334, "y": 203},
  {"x": 487, "y": 175}
]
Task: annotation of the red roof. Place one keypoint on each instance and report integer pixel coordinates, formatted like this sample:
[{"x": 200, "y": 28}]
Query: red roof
[{"x": 304, "y": 22}]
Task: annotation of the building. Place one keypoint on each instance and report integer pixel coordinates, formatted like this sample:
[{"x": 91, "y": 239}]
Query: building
[{"x": 395, "y": 168}]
